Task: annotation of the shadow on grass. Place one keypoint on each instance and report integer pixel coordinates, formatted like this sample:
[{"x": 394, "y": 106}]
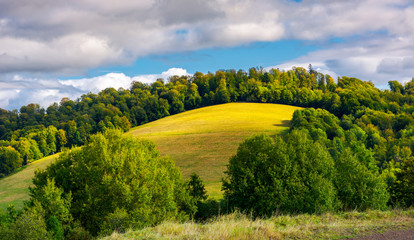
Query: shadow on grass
[{"x": 284, "y": 123}]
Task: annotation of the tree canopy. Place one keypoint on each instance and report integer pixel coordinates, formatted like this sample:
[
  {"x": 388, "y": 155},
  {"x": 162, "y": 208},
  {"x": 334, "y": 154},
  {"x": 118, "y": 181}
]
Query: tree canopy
[{"x": 113, "y": 173}]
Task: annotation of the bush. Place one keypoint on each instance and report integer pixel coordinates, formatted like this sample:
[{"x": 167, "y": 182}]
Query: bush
[
  {"x": 118, "y": 221},
  {"x": 112, "y": 172},
  {"x": 207, "y": 209},
  {"x": 359, "y": 188},
  {"x": 30, "y": 225},
  {"x": 267, "y": 176},
  {"x": 403, "y": 189},
  {"x": 55, "y": 228}
]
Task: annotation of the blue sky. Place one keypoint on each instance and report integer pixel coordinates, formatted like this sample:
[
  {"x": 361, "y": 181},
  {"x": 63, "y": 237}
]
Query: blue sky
[
  {"x": 257, "y": 54},
  {"x": 50, "y": 49}
]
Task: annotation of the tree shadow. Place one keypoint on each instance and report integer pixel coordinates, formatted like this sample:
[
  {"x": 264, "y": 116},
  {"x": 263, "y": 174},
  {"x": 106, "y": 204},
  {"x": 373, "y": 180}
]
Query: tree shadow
[{"x": 284, "y": 123}]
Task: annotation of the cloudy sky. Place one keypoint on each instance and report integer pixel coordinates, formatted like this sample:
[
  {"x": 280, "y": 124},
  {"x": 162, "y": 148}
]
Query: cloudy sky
[{"x": 51, "y": 49}]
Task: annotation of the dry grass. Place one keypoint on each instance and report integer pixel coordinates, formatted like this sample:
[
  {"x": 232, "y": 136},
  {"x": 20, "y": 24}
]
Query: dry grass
[
  {"x": 204, "y": 139},
  {"x": 239, "y": 226},
  {"x": 14, "y": 189}
]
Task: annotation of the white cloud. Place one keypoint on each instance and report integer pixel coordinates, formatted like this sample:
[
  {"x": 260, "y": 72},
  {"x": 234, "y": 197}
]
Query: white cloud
[
  {"x": 66, "y": 55},
  {"x": 53, "y": 37},
  {"x": 17, "y": 90},
  {"x": 71, "y": 37}
]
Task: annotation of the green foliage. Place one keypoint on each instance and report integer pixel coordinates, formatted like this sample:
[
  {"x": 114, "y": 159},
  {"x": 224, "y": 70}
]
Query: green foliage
[
  {"x": 311, "y": 187},
  {"x": 208, "y": 209},
  {"x": 375, "y": 123},
  {"x": 118, "y": 221},
  {"x": 55, "y": 203},
  {"x": 55, "y": 228},
  {"x": 196, "y": 188},
  {"x": 403, "y": 189},
  {"x": 390, "y": 112},
  {"x": 359, "y": 188},
  {"x": 29, "y": 225},
  {"x": 116, "y": 172},
  {"x": 9, "y": 160},
  {"x": 289, "y": 175}
]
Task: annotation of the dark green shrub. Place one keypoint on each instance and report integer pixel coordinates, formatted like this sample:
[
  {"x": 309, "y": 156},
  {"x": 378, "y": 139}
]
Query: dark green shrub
[
  {"x": 10, "y": 160},
  {"x": 207, "y": 209},
  {"x": 292, "y": 175},
  {"x": 358, "y": 187},
  {"x": 55, "y": 228},
  {"x": 403, "y": 189}
]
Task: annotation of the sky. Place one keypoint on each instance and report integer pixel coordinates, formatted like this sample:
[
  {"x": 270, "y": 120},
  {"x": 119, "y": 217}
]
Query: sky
[{"x": 50, "y": 49}]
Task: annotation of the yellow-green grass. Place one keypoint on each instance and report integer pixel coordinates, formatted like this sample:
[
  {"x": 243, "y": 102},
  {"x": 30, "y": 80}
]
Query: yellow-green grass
[
  {"x": 200, "y": 141},
  {"x": 304, "y": 226},
  {"x": 14, "y": 189},
  {"x": 203, "y": 140}
]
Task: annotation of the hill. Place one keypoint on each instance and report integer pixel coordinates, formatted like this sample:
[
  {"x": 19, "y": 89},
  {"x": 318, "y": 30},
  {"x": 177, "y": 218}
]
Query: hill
[
  {"x": 204, "y": 139},
  {"x": 200, "y": 141},
  {"x": 14, "y": 189}
]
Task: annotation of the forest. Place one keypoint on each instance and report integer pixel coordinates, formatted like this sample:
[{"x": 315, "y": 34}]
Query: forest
[{"x": 350, "y": 148}]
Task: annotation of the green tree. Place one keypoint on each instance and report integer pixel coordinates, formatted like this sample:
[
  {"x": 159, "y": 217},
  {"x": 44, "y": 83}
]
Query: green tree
[
  {"x": 53, "y": 200},
  {"x": 23, "y": 147},
  {"x": 61, "y": 139},
  {"x": 30, "y": 225},
  {"x": 222, "y": 95},
  {"x": 196, "y": 188},
  {"x": 359, "y": 188},
  {"x": 55, "y": 228},
  {"x": 10, "y": 160},
  {"x": 403, "y": 189},
  {"x": 292, "y": 175},
  {"x": 114, "y": 171}
]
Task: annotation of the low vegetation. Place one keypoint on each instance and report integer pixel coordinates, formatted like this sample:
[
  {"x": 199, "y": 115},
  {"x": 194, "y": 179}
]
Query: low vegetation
[{"x": 303, "y": 226}]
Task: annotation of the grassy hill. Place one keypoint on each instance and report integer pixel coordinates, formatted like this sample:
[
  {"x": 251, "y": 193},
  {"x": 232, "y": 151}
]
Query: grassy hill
[
  {"x": 200, "y": 141},
  {"x": 204, "y": 139},
  {"x": 14, "y": 189}
]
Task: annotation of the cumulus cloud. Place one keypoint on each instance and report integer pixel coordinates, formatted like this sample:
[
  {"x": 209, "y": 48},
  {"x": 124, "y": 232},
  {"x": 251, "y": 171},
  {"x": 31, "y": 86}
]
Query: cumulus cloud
[
  {"x": 386, "y": 59},
  {"x": 55, "y": 37},
  {"x": 16, "y": 90},
  {"x": 65, "y": 55},
  {"x": 71, "y": 37}
]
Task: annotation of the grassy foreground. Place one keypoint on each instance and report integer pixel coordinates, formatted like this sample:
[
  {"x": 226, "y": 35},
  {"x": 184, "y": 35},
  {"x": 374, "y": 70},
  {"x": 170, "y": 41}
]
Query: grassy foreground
[
  {"x": 238, "y": 226},
  {"x": 204, "y": 139},
  {"x": 14, "y": 189}
]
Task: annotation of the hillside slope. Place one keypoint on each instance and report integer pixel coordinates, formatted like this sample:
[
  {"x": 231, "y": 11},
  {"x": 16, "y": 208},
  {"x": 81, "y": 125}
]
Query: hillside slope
[
  {"x": 200, "y": 141},
  {"x": 204, "y": 139},
  {"x": 14, "y": 189}
]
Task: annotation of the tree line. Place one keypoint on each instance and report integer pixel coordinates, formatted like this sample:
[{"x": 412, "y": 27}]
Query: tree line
[
  {"x": 35, "y": 132},
  {"x": 350, "y": 149}
]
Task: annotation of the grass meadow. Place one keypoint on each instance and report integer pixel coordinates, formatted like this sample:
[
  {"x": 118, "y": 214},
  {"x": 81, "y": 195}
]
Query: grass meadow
[
  {"x": 303, "y": 226},
  {"x": 14, "y": 189},
  {"x": 200, "y": 141},
  {"x": 203, "y": 140}
]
